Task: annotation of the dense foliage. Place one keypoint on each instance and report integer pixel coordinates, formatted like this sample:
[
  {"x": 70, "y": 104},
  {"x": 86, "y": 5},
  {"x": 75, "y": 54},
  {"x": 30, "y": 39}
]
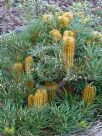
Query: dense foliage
[{"x": 51, "y": 74}]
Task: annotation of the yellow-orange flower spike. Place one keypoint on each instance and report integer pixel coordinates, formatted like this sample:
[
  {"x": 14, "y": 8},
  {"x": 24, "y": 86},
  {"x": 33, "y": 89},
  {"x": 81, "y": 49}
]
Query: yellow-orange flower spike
[
  {"x": 64, "y": 21},
  {"x": 70, "y": 41},
  {"x": 46, "y": 17},
  {"x": 69, "y": 33},
  {"x": 65, "y": 40},
  {"x": 56, "y": 34},
  {"x": 17, "y": 68},
  {"x": 52, "y": 88},
  {"x": 68, "y": 14},
  {"x": 30, "y": 100},
  {"x": 28, "y": 63},
  {"x": 68, "y": 52},
  {"x": 89, "y": 94},
  {"x": 40, "y": 98}
]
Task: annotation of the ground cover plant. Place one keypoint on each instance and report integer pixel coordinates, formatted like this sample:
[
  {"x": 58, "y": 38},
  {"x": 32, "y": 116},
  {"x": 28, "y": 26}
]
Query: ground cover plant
[{"x": 51, "y": 74}]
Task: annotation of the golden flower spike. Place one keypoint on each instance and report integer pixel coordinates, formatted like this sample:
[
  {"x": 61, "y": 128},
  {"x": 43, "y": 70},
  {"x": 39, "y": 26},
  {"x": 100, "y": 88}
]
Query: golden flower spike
[
  {"x": 64, "y": 21},
  {"x": 28, "y": 63},
  {"x": 30, "y": 100},
  {"x": 47, "y": 17},
  {"x": 17, "y": 70},
  {"x": 40, "y": 98},
  {"x": 89, "y": 94},
  {"x": 68, "y": 52},
  {"x": 52, "y": 89},
  {"x": 68, "y": 14},
  {"x": 56, "y": 35},
  {"x": 69, "y": 33}
]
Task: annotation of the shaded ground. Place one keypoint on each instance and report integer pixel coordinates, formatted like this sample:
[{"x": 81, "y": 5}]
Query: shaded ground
[
  {"x": 96, "y": 130},
  {"x": 65, "y": 3},
  {"x": 10, "y": 19}
]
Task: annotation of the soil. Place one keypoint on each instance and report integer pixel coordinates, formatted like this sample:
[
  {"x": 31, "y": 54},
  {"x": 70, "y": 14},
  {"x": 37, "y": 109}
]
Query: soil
[
  {"x": 10, "y": 18},
  {"x": 65, "y": 3}
]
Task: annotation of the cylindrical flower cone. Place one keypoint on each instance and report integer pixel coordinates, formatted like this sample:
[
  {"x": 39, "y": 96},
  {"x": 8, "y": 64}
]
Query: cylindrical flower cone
[
  {"x": 40, "y": 98},
  {"x": 30, "y": 100},
  {"x": 89, "y": 94},
  {"x": 64, "y": 21},
  {"x": 47, "y": 17},
  {"x": 68, "y": 14},
  {"x": 52, "y": 89},
  {"x": 69, "y": 33},
  {"x": 56, "y": 35},
  {"x": 68, "y": 52},
  {"x": 17, "y": 71},
  {"x": 28, "y": 64}
]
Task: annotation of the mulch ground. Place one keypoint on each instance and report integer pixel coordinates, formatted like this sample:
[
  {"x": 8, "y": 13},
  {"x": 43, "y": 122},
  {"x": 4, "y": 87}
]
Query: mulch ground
[{"x": 10, "y": 19}]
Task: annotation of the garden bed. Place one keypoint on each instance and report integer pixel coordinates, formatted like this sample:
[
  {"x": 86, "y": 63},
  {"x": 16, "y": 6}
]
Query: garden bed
[
  {"x": 13, "y": 18},
  {"x": 50, "y": 71}
]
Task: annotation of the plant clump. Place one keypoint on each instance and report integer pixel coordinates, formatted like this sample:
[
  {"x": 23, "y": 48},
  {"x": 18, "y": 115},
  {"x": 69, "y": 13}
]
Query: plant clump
[{"x": 50, "y": 74}]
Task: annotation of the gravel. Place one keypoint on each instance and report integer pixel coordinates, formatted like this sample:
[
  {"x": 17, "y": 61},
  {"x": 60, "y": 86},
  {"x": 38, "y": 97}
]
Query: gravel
[{"x": 10, "y": 19}]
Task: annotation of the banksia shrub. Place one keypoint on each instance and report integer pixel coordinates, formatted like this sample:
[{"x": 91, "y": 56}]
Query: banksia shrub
[
  {"x": 56, "y": 35},
  {"x": 40, "y": 98},
  {"x": 89, "y": 94},
  {"x": 28, "y": 63},
  {"x": 68, "y": 52},
  {"x": 52, "y": 88},
  {"x": 30, "y": 100}
]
